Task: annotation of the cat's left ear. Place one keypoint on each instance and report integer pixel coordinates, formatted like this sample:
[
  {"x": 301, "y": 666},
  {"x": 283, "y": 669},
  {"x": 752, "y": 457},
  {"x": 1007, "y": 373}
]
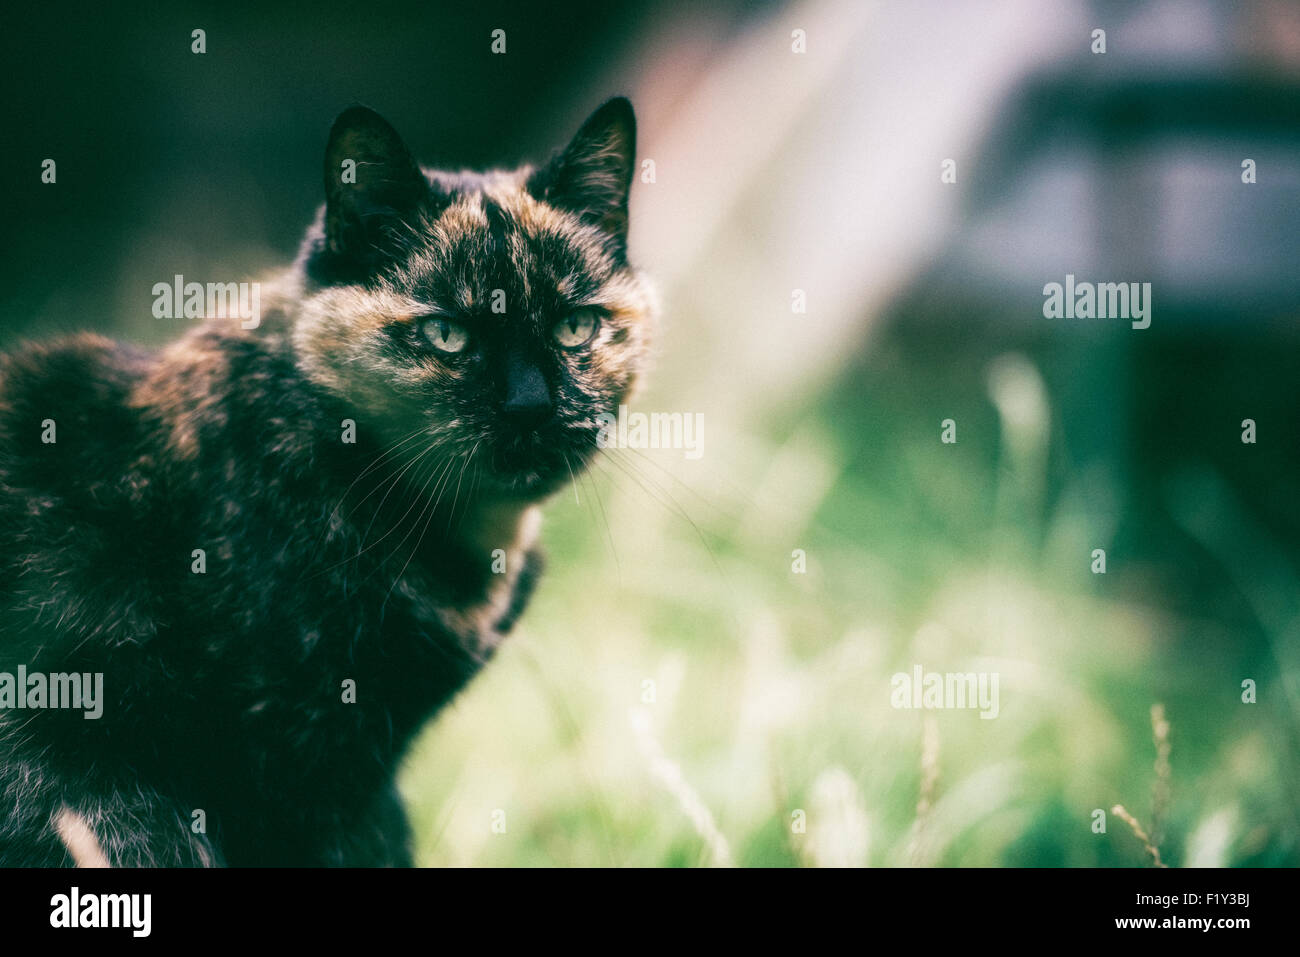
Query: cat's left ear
[
  {"x": 593, "y": 176},
  {"x": 372, "y": 186}
]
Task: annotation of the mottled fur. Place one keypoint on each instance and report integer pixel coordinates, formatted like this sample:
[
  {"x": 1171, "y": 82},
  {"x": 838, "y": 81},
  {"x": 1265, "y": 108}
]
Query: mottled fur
[{"x": 325, "y": 561}]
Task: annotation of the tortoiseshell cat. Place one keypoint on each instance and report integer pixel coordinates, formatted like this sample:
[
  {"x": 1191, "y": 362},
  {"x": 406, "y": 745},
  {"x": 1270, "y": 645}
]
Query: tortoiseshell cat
[{"x": 361, "y": 472}]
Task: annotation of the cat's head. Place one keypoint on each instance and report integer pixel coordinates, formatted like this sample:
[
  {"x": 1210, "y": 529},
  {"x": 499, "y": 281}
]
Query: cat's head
[{"x": 491, "y": 314}]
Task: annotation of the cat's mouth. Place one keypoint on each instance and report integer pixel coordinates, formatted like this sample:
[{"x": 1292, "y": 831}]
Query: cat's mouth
[{"x": 532, "y": 464}]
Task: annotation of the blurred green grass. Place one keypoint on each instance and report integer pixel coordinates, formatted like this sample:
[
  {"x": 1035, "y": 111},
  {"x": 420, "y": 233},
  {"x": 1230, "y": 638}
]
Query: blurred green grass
[{"x": 771, "y": 689}]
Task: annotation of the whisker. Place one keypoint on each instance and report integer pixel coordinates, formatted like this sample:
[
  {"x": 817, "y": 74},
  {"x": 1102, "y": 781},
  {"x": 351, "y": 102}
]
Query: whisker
[
  {"x": 572, "y": 479},
  {"x": 628, "y": 469},
  {"x": 424, "y": 497},
  {"x": 677, "y": 479},
  {"x": 391, "y": 485},
  {"x": 375, "y": 463},
  {"x": 452, "y": 513},
  {"x": 416, "y": 549},
  {"x": 379, "y": 459},
  {"x": 609, "y": 535},
  {"x": 415, "y": 500}
]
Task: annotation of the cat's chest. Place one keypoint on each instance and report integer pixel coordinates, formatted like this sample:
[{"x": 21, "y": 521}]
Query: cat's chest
[{"x": 464, "y": 590}]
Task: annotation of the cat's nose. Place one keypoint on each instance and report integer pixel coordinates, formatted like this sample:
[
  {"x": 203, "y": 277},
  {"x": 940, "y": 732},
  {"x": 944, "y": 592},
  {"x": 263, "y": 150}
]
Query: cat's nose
[
  {"x": 528, "y": 399},
  {"x": 528, "y": 414}
]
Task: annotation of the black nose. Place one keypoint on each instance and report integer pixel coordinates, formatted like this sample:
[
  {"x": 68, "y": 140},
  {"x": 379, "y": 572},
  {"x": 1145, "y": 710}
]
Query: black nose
[{"x": 528, "y": 399}]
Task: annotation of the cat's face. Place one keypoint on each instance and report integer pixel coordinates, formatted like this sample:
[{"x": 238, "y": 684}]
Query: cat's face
[{"x": 493, "y": 317}]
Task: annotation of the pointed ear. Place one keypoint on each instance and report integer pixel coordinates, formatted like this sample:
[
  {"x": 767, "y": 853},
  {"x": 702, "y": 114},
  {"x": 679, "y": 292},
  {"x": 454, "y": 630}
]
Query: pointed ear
[
  {"x": 593, "y": 176},
  {"x": 372, "y": 185}
]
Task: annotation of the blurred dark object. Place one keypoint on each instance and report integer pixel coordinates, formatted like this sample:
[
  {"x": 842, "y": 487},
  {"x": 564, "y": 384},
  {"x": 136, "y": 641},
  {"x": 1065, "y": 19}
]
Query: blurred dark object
[{"x": 1135, "y": 178}]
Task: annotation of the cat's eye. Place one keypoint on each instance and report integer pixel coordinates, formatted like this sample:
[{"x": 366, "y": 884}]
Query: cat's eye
[
  {"x": 577, "y": 328},
  {"x": 445, "y": 335}
]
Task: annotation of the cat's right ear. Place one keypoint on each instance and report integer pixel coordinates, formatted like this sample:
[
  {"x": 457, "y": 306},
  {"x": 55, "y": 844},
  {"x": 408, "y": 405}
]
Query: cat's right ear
[
  {"x": 593, "y": 175},
  {"x": 372, "y": 187}
]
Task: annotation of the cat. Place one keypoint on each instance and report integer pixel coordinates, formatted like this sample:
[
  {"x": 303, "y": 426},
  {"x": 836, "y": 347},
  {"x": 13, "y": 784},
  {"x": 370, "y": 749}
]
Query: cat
[{"x": 285, "y": 547}]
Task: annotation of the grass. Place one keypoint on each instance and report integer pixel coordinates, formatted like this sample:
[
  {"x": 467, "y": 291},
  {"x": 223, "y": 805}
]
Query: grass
[{"x": 678, "y": 696}]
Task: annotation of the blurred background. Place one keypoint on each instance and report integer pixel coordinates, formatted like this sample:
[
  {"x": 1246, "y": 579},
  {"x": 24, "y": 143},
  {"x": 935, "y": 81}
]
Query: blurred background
[{"x": 679, "y": 693}]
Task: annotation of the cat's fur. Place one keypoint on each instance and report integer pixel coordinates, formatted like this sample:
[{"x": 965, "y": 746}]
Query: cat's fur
[{"x": 326, "y": 561}]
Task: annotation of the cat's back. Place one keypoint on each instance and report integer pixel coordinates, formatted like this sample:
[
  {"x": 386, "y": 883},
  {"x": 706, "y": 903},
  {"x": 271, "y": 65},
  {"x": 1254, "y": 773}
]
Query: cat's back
[
  {"x": 68, "y": 437},
  {"x": 67, "y": 427},
  {"x": 63, "y": 405}
]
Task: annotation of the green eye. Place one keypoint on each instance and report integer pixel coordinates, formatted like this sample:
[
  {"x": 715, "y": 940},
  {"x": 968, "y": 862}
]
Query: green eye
[
  {"x": 577, "y": 328},
  {"x": 445, "y": 335}
]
